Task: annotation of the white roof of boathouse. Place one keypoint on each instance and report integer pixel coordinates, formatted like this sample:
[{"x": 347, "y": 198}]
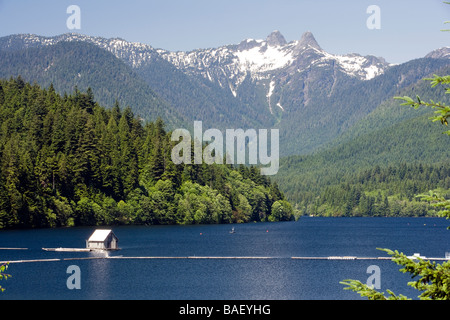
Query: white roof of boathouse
[{"x": 100, "y": 235}]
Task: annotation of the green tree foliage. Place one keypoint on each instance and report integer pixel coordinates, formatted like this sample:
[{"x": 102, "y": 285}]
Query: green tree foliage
[
  {"x": 281, "y": 211},
  {"x": 433, "y": 279},
  {"x": 442, "y": 110},
  {"x": 3, "y": 275},
  {"x": 67, "y": 161}
]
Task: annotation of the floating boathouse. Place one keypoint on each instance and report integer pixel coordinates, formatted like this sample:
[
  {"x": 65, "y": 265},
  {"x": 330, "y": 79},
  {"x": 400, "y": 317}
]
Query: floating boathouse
[{"x": 103, "y": 239}]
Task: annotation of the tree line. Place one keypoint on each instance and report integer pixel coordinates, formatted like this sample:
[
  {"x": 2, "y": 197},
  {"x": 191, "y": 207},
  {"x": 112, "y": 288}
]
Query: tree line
[{"x": 67, "y": 161}]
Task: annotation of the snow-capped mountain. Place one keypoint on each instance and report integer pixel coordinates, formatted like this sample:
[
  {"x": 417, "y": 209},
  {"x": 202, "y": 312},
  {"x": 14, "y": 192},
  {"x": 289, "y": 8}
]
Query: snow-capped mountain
[
  {"x": 228, "y": 66},
  {"x": 262, "y": 57},
  {"x": 267, "y": 59}
]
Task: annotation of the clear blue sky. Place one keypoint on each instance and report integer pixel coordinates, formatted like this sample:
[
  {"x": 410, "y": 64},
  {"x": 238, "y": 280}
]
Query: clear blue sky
[{"x": 409, "y": 28}]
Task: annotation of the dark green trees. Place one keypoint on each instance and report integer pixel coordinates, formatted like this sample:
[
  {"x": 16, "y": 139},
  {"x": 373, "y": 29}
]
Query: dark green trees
[{"x": 65, "y": 160}]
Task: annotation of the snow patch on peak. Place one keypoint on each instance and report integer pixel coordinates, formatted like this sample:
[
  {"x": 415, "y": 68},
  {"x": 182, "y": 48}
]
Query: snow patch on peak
[
  {"x": 269, "y": 94},
  {"x": 442, "y": 53},
  {"x": 356, "y": 65},
  {"x": 262, "y": 59}
]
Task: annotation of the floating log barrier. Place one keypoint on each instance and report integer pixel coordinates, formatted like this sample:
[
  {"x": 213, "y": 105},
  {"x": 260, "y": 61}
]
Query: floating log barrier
[
  {"x": 77, "y": 249},
  {"x": 246, "y": 258},
  {"x": 33, "y": 260},
  {"x": 345, "y": 258},
  {"x": 332, "y": 258}
]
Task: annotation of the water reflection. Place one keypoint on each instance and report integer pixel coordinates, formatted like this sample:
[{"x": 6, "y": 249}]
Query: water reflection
[
  {"x": 257, "y": 279},
  {"x": 99, "y": 276}
]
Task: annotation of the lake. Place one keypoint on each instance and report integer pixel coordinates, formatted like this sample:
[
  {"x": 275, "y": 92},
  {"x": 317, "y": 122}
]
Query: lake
[{"x": 277, "y": 278}]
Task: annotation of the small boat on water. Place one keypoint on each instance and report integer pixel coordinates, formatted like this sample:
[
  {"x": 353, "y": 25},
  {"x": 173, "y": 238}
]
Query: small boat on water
[{"x": 232, "y": 230}]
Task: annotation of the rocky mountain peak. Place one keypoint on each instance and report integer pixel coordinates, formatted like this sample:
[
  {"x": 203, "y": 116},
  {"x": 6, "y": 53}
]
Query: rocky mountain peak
[
  {"x": 442, "y": 53},
  {"x": 276, "y": 39},
  {"x": 308, "y": 40}
]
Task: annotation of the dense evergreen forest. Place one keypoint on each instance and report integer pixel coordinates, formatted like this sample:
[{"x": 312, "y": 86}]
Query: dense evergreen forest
[
  {"x": 67, "y": 161},
  {"x": 376, "y": 192},
  {"x": 379, "y": 174}
]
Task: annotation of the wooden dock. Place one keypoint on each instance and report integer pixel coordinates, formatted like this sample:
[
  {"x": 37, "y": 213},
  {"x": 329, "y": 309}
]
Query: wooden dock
[
  {"x": 78, "y": 249},
  {"x": 67, "y": 249}
]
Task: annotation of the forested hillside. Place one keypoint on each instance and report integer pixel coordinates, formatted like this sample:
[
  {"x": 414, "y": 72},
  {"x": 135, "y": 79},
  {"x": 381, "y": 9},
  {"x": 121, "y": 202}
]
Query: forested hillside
[
  {"x": 376, "y": 167},
  {"x": 67, "y": 65},
  {"x": 65, "y": 160}
]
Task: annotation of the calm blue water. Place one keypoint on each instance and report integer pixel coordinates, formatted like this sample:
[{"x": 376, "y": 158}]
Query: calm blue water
[{"x": 189, "y": 279}]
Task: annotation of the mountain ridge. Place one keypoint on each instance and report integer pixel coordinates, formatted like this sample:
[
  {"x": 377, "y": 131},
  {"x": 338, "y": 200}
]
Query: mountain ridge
[
  {"x": 136, "y": 54},
  {"x": 295, "y": 86}
]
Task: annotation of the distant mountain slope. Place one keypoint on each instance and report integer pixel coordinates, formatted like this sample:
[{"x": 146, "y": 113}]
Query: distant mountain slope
[
  {"x": 390, "y": 112},
  {"x": 390, "y": 135},
  {"x": 198, "y": 99},
  {"x": 327, "y": 109},
  {"x": 79, "y": 64},
  {"x": 193, "y": 98},
  {"x": 415, "y": 140}
]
